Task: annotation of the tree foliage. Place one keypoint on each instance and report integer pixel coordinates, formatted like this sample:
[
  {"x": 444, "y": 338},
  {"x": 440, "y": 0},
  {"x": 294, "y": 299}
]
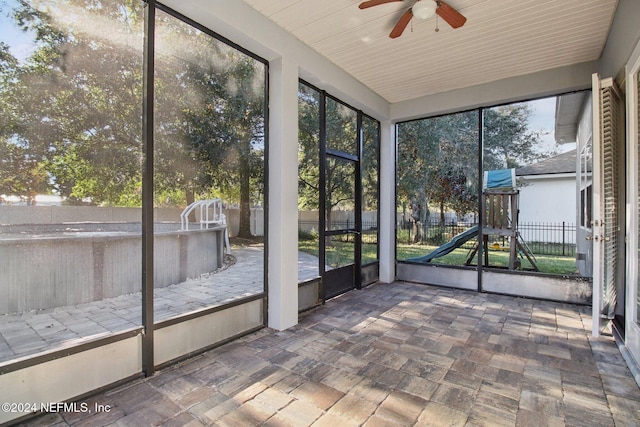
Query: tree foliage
[
  {"x": 340, "y": 175},
  {"x": 74, "y": 126},
  {"x": 78, "y": 98},
  {"x": 437, "y": 166},
  {"x": 509, "y": 141},
  {"x": 370, "y": 163},
  {"x": 438, "y": 157},
  {"x": 308, "y": 148},
  {"x": 341, "y": 136},
  {"x": 210, "y": 137}
]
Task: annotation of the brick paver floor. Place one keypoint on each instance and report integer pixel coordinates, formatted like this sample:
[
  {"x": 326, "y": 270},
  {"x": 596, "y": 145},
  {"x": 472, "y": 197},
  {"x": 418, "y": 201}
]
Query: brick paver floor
[{"x": 394, "y": 355}]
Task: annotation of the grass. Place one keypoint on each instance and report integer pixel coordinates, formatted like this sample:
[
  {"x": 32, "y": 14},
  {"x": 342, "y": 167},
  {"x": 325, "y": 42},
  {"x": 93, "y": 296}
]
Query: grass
[
  {"x": 341, "y": 253},
  {"x": 500, "y": 259}
]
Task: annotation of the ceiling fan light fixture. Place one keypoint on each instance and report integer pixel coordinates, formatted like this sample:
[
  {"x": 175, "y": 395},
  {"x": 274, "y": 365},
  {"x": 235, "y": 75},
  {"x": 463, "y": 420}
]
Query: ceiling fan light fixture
[{"x": 424, "y": 9}]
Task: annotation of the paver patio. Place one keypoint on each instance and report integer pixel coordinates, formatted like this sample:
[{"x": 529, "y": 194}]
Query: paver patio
[{"x": 393, "y": 355}]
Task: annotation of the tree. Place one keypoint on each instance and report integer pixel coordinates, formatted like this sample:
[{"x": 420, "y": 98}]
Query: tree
[
  {"x": 414, "y": 149},
  {"x": 77, "y": 102},
  {"x": 437, "y": 166},
  {"x": 77, "y": 97},
  {"x": 308, "y": 147},
  {"x": 340, "y": 174},
  {"x": 20, "y": 174},
  {"x": 341, "y": 135},
  {"x": 437, "y": 157},
  {"x": 370, "y": 163},
  {"x": 210, "y": 119},
  {"x": 509, "y": 143}
]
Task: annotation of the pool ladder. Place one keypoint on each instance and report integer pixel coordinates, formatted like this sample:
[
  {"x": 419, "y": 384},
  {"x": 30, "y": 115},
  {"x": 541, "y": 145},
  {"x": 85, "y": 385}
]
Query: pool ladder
[{"x": 210, "y": 213}]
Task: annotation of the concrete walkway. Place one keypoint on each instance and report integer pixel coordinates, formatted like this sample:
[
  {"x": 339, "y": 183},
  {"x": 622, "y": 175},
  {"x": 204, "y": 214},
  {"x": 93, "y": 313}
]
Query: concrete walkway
[{"x": 393, "y": 355}]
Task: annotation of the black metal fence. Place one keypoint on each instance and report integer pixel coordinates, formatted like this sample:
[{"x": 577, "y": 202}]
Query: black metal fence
[
  {"x": 558, "y": 239},
  {"x": 550, "y": 238}
]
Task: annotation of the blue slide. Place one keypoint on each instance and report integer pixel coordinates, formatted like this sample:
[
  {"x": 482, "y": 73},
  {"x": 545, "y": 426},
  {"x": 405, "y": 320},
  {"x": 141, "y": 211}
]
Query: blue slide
[{"x": 457, "y": 241}]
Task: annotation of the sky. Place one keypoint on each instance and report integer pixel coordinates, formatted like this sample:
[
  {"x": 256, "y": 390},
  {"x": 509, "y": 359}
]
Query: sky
[
  {"x": 543, "y": 118},
  {"x": 20, "y": 44}
]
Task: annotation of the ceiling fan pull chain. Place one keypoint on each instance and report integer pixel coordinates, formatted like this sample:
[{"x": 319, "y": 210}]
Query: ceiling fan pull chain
[{"x": 437, "y": 29}]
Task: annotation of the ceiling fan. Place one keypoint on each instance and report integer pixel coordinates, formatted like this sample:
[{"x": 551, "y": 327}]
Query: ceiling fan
[{"x": 421, "y": 9}]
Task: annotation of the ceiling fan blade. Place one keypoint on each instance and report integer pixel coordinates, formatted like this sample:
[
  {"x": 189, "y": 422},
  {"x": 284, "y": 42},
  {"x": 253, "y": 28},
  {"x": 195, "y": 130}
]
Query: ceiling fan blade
[
  {"x": 371, "y": 3},
  {"x": 401, "y": 24},
  {"x": 449, "y": 14}
]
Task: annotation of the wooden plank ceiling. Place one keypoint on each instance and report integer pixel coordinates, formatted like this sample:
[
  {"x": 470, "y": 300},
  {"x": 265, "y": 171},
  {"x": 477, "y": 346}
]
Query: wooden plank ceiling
[{"x": 501, "y": 39}]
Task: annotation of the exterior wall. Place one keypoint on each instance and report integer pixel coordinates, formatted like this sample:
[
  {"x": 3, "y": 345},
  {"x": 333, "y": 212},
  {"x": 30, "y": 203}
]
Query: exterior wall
[
  {"x": 548, "y": 199},
  {"x": 387, "y": 206},
  {"x": 451, "y": 277},
  {"x": 174, "y": 341},
  {"x": 309, "y": 295},
  {"x": 65, "y": 377},
  {"x": 564, "y": 289}
]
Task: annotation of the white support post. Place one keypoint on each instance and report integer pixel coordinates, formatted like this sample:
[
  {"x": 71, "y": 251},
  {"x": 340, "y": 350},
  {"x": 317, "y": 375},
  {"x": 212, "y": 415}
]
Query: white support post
[
  {"x": 283, "y": 194},
  {"x": 387, "y": 201}
]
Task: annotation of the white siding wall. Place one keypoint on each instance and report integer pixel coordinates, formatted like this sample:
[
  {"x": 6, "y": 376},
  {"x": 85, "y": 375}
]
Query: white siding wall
[{"x": 548, "y": 199}]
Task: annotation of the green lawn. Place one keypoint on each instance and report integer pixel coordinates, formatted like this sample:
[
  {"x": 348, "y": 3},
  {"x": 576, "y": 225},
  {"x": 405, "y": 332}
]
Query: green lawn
[
  {"x": 546, "y": 263},
  {"x": 341, "y": 253}
]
